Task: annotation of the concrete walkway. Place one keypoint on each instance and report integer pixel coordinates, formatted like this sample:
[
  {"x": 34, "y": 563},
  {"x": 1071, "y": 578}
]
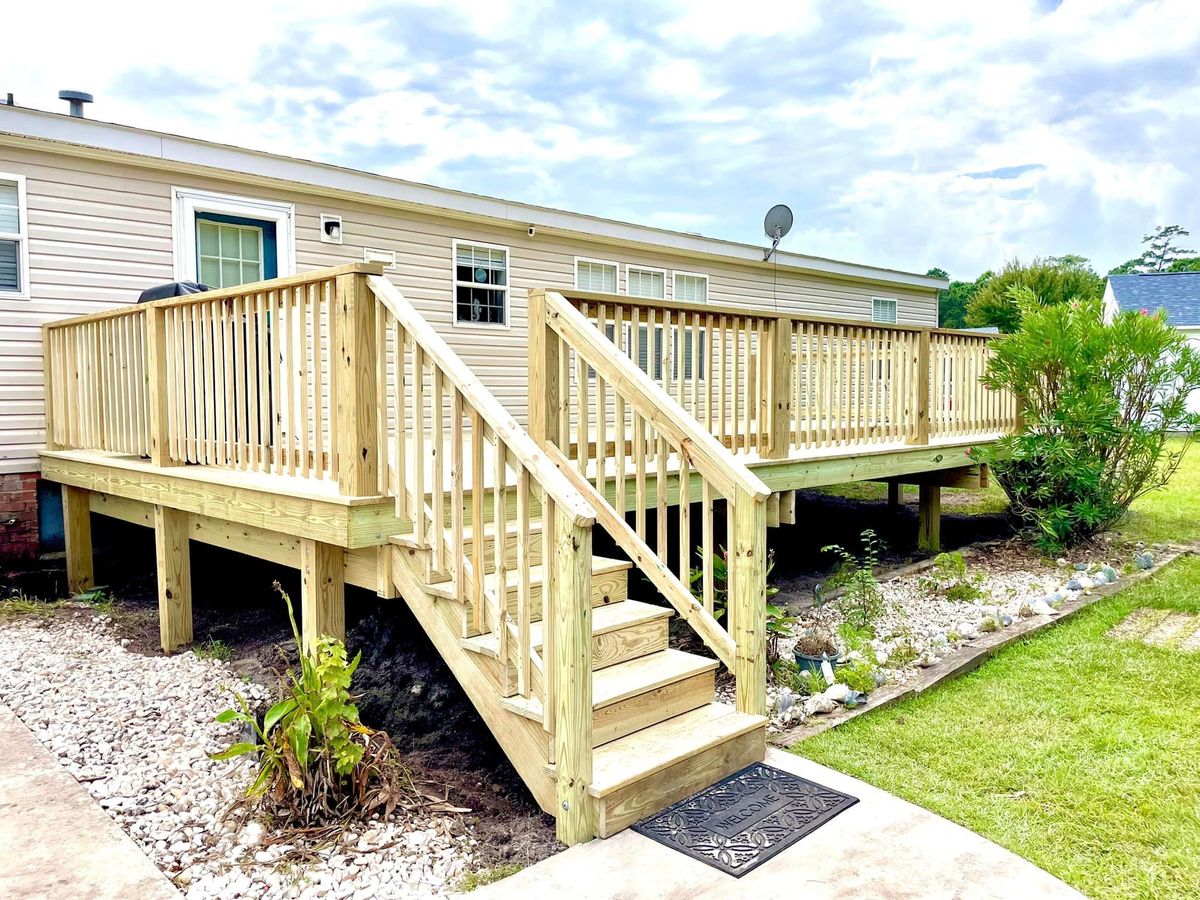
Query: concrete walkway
[
  {"x": 55, "y": 841},
  {"x": 882, "y": 848}
]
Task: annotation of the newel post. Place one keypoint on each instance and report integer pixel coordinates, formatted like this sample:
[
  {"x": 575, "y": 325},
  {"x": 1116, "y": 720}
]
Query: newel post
[
  {"x": 356, "y": 442},
  {"x": 780, "y": 397},
  {"x": 572, "y": 673},
  {"x": 921, "y": 432},
  {"x": 545, "y": 393},
  {"x": 748, "y": 603}
]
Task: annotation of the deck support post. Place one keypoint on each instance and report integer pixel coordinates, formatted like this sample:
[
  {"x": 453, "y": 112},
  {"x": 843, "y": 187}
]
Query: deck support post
[
  {"x": 895, "y": 496},
  {"x": 356, "y": 441},
  {"x": 545, "y": 393},
  {"x": 780, "y": 404},
  {"x": 921, "y": 432},
  {"x": 748, "y": 603},
  {"x": 576, "y": 819},
  {"x": 77, "y": 531},
  {"x": 157, "y": 397},
  {"x": 172, "y": 550},
  {"x": 322, "y": 592},
  {"x": 929, "y": 518}
]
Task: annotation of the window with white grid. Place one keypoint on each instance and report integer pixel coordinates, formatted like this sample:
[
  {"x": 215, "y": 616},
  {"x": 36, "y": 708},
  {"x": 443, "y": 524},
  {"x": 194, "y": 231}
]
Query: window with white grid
[
  {"x": 883, "y": 310},
  {"x": 14, "y": 251},
  {"x": 640, "y": 282},
  {"x": 480, "y": 284},
  {"x": 690, "y": 288},
  {"x": 596, "y": 275}
]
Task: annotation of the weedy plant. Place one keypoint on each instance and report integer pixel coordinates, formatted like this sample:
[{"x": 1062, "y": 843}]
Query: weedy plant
[
  {"x": 861, "y": 602},
  {"x": 779, "y": 623},
  {"x": 949, "y": 577},
  {"x": 317, "y": 763}
]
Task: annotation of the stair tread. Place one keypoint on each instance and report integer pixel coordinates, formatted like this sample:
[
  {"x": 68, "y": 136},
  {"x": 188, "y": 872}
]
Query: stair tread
[
  {"x": 641, "y": 754},
  {"x": 601, "y": 565},
  {"x": 605, "y": 619},
  {"x": 628, "y": 679}
]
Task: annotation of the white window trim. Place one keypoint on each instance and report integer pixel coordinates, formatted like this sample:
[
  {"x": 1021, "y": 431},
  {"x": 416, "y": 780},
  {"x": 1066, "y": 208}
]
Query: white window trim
[
  {"x": 675, "y": 274},
  {"x": 186, "y": 202},
  {"x": 895, "y": 305},
  {"x": 600, "y": 262},
  {"x": 667, "y": 281},
  {"x": 454, "y": 320},
  {"x": 22, "y": 238}
]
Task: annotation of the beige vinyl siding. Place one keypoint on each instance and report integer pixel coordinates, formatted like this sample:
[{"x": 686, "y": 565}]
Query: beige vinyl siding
[{"x": 101, "y": 231}]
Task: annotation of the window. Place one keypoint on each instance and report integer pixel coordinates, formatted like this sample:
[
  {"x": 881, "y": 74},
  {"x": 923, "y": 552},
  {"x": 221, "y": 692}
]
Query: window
[
  {"x": 641, "y": 282},
  {"x": 691, "y": 288},
  {"x": 14, "y": 252},
  {"x": 231, "y": 253},
  {"x": 480, "y": 284},
  {"x": 223, "y": 240},
  {"x": 883, "y": 310},
  {"x": 595, "y": 275}
]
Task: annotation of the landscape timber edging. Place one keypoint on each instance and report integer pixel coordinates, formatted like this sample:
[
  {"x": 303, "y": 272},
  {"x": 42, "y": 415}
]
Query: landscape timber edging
[{"x": 970, "y": 656}]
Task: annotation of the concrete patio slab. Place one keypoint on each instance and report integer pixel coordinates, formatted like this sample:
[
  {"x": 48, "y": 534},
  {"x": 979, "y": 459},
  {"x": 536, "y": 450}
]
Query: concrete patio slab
[
  {"x": 57, "y": 842},
  {"x": 882, "y": 848}
]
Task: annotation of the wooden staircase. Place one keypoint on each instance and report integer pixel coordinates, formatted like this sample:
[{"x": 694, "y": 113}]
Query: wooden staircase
[{"x": 658, "y": 735}]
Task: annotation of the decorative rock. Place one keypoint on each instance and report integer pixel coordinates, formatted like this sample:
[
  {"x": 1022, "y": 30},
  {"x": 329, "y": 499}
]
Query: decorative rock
[
  {"x": 784, "y": 700},
  {"x": 853, "y": 699},
  {"x": 1109, "y": 573},
  {"x": 818, "y": 705},
  {"x": 968, "y": 631},
  {"x": 1144, "y": 560},
  {"x": 836, "y": 692},
  {"x": 1042, "y": 608},
  {"x": 1081, "y": 567}
]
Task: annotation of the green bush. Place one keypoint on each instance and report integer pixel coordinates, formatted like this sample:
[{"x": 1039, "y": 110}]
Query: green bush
[
  {"x": 1053, "y": 281},
  {"x": 858, "y": 676},
  {"x": 1100, "y": 401},
  {"x": 861, "y": 602},
  {"x": 316, "y": 762},
  {"x": 950, "y": 578}
]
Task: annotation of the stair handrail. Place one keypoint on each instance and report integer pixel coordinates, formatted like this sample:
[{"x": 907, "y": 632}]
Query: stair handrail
[{"x": 742, "y": 648}]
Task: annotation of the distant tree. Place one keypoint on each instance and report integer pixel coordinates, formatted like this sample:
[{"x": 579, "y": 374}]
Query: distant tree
[
  {"x": 1053, "y": 281},
  {"x": 1161, "y": 253},
  {"x": 1192, "y": 264}
]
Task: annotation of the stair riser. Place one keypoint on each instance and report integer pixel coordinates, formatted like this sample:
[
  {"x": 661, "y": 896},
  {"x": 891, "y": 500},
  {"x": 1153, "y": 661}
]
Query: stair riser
[
  {"x": 643, "y": 798},
  {"x": 607, "y": 587},
  {"x": 643, "y": 710},
  {"x": 627, "y": 643}
]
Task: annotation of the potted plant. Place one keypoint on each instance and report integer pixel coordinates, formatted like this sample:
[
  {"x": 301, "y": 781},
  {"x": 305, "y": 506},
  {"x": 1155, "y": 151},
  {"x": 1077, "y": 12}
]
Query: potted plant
[{"x": 815, "y": 645}]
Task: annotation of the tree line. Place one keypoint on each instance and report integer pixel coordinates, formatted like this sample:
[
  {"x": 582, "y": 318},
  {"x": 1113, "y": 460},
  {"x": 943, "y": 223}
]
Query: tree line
[{"x": 988, "y": 301}]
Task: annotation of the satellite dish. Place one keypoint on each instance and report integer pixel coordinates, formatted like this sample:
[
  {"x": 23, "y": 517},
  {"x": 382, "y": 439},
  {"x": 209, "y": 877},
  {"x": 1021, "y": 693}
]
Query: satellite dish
[{"x": 777, "y": 223}]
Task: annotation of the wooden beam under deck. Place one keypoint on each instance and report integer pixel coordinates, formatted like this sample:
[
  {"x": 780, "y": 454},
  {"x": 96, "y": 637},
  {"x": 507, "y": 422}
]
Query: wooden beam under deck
[{"x": 302, "y": 508}]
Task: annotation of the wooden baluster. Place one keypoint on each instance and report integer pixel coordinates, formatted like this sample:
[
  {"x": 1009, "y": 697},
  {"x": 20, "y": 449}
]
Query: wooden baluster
[
  {"x": 660, "y": 485},
  {"x": 685, "y": 520},
  {"x": 639, "y": 460},
  {"x": 550, "y": 527},
  {"x": 622, "y": 339},
  {"x": 403, "y": 421},
  {"x": 583, "y": 432},
  {"x": 477, "y": 492},
  {"x": 438, "y": 460},
  {"x": 381, "y": 398},
  {"x": 722, "y": 412},
  {"x": 319, "y": 394},
  {"x": 420, "y": 520},
  {"x": 707, "y": 548},
  {"x": 709, "y": 341},
  {"x": 500, "y": 548},
  {"x": 457, "y": 510},
  {"x": 524, "y": 601},
  {"x": 735, "y": 362}
]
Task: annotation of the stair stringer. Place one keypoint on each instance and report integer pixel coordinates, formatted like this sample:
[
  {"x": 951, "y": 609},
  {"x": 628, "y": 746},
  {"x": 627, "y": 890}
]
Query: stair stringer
[{"x": 524, "y": 742}]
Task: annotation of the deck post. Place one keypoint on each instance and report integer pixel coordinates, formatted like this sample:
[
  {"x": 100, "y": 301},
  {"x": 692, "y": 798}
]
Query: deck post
[
  {"x": 929, "y": 518},
  {"x": 748, "y": 603},
  {"x": 356, "y": 440},
  {"x": 895, "y": 496},
  {"x": 921, "y": 435},
  {"x": 780, "y": 408},
  {"x": 545, "y": 393},
  {"x": 322, "y": 592},
  {"x": 172, "y": 551},
  {"x": 576, "y": 813},
  {"x": 158, "y": 401},
  {"x": 77, "y": 531}
]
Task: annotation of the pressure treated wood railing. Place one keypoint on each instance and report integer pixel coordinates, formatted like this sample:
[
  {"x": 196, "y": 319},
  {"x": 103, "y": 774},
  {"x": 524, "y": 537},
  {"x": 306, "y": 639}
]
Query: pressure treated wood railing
[
  {"x": 774, "y": 383},
  {"x": 632, "y": 440},
  {"x": 438, "y": 409}
]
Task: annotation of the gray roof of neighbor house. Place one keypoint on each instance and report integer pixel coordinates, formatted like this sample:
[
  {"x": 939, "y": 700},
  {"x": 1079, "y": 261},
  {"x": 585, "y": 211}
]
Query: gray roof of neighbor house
[{"x": 1176, "y": 292}]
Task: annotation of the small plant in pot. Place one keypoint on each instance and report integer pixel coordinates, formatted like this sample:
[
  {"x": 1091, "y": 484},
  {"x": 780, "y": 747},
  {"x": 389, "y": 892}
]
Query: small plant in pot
[{"x": 816, "y": 645}]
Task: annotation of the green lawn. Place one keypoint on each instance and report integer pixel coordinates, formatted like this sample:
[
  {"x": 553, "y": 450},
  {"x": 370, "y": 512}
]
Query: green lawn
[{"x": 1075, "y": 750}]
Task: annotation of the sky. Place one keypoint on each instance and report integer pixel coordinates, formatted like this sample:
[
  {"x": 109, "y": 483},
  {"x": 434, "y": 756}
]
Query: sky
[{"x": 902, "y": 134}]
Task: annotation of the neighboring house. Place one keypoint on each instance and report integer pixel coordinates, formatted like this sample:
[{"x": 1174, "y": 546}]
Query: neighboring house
[
  {"x": 92, "y": 213},
  {"x": 1177, "y": 293}
]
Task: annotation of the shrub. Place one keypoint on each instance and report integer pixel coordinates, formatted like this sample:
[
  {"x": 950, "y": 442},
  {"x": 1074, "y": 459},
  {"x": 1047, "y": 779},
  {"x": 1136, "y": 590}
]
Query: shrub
[
  {"x": 317, "y": 763},
  {"x": 861, "y": 602},
  {"x": 1100, "y": 401},
  {"x": 1053, "y": 281},
  {"x": 858, "y": 676},
  {"x": 949, "y": 578}
]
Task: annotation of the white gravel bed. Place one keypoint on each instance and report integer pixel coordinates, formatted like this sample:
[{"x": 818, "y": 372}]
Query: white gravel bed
[
  {"x": 1014, "y": 584},
  {"x": 136, "y": 729}
]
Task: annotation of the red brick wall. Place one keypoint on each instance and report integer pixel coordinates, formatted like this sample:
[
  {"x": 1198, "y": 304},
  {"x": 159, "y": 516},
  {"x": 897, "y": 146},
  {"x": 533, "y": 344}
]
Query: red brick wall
[{"x": 18, "y": 516}]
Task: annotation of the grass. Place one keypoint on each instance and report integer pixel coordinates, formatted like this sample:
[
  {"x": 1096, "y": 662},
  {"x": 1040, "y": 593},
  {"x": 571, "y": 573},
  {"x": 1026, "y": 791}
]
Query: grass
[
  {"x": 1072, "y": 749},
  {"x": 473, "y": 880},
  {"x": 214, "y": 649},
  {"x": 1169, "y": 514},
  {"x": 21, "y": 605}
]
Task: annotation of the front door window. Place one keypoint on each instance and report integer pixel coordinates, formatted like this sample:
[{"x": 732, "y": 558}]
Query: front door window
[{"x": 231, "y": 250}]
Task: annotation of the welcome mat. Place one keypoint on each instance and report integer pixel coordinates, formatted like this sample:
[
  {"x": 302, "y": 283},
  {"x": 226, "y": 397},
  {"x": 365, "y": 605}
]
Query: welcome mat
[{"x": 741, "y": 822}]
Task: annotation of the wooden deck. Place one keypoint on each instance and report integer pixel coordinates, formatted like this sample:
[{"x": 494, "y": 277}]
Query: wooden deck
[{"x": 319, "y": 422}]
